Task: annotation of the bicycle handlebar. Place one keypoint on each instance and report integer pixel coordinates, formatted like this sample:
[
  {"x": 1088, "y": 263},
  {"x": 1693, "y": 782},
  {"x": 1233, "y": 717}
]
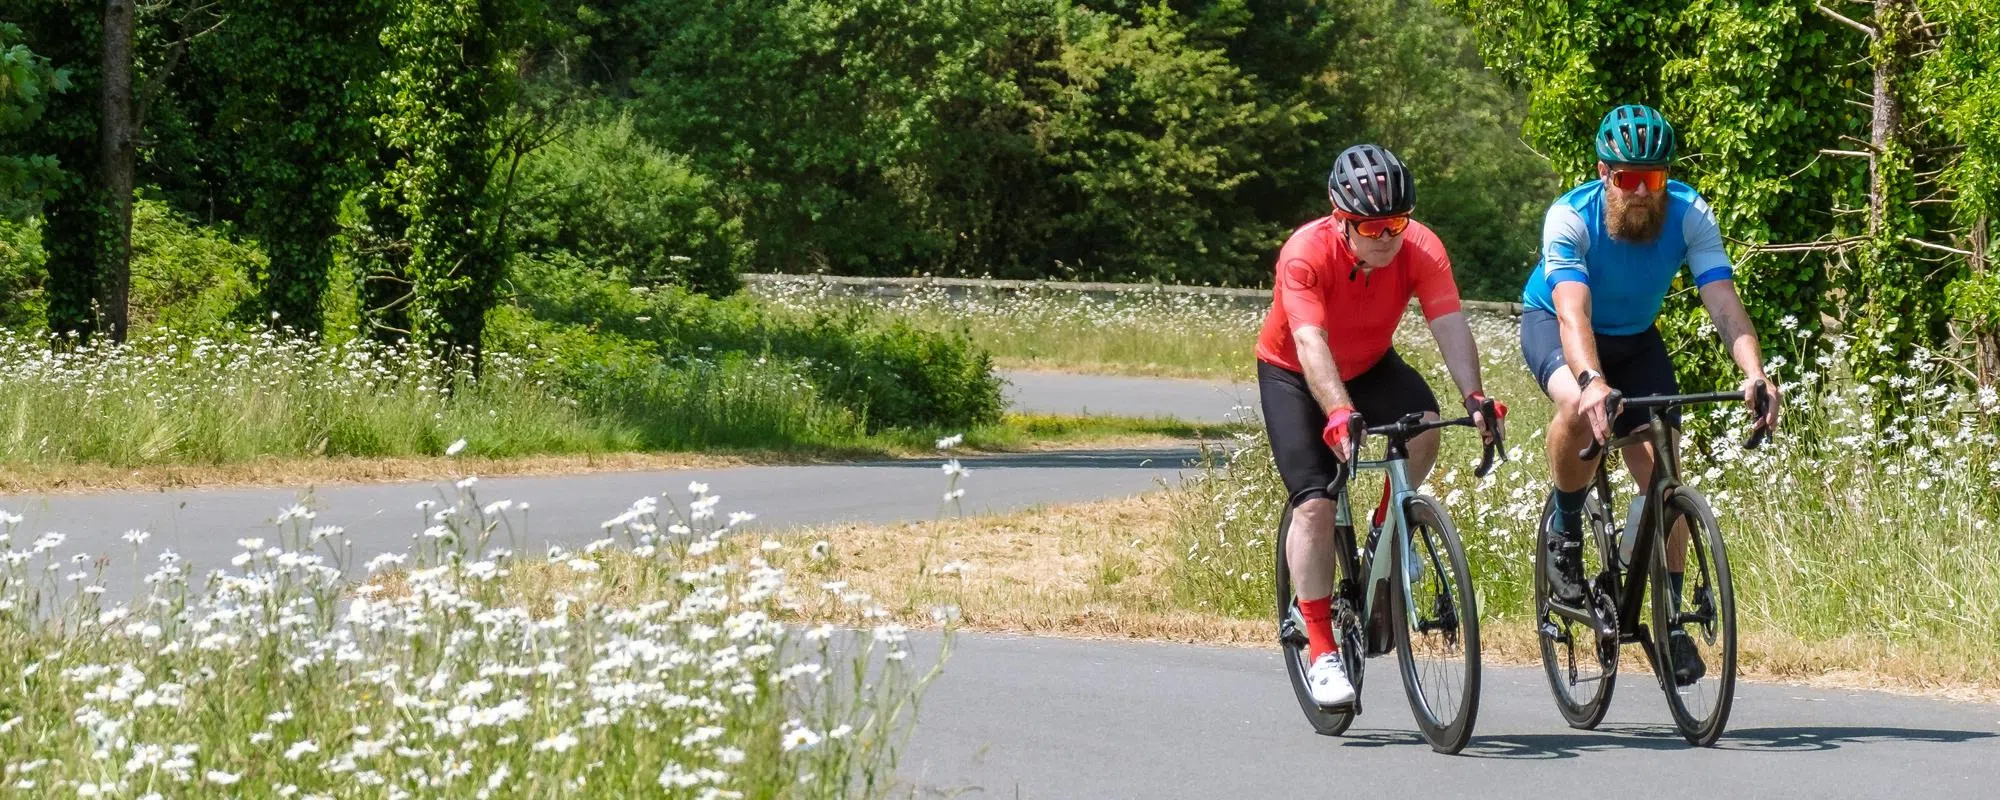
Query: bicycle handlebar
[
  {"x": 1413, "y": 424},
  {"x": 1616, "y": 398}
]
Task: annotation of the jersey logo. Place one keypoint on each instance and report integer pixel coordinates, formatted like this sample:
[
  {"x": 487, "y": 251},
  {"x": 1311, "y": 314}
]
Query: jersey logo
[{"x": 1300, "y": 276}]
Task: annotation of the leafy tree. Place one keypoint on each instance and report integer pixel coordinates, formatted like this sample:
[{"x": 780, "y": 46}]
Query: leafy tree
[{"x": 26, "y": 81}]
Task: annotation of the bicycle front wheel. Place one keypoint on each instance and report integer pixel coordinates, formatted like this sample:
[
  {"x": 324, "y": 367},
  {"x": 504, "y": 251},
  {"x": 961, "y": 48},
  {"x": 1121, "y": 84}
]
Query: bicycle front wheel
[
  {"x": 1438, "y": 645},
  {"x": 1694, "y": 630}
]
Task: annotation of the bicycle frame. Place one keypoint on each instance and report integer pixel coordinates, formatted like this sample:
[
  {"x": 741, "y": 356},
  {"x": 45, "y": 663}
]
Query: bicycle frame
[
  {"x": 1394, "y": 533},
  {"x": 1376, "y": 553},
  {"x": 1626, "y": 584}
]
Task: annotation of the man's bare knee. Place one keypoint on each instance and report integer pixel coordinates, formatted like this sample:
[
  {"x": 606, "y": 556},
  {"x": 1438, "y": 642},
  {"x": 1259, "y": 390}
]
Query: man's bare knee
[{"x": 1313, "y": 516}]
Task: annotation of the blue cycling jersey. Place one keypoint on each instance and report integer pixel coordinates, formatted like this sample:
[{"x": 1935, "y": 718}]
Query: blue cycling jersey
[{"x": 1628, "y": 281}]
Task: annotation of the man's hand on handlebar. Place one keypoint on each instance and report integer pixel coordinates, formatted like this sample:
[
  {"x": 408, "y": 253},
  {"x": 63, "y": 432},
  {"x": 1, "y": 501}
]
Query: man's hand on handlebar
[
  {"x": 1596, "y": 410},
  {"x": 1772, "y": 393},
  {"x": 1342, "y": 434},
  {"x": 1492, "y": 430}
]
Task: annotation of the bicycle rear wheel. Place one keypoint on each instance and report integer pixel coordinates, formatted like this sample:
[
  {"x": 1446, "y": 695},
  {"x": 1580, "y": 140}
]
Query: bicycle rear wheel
[
  {"x": 1440, "y": 657},
  {"x": 1582, "y": 671},
  {"x": 1293, "y": 647},
  {"x": 1699, "y": 676}
]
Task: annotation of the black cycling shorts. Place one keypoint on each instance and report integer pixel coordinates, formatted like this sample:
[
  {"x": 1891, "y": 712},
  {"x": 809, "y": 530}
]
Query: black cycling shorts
[
  {"x": 1294, "y": 419},
  {"x": 1635, "y": 365}
]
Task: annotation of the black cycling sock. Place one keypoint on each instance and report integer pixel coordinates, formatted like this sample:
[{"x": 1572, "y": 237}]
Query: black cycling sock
[
  {"x": 1677, "y": 580},
  {"x": 1569, "y": 509}
]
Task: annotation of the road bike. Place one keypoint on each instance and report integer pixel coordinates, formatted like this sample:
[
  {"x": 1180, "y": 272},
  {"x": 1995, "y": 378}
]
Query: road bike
[
  {"x": 1428, "y": 612},
  {"x": 1628, "y": 568}
]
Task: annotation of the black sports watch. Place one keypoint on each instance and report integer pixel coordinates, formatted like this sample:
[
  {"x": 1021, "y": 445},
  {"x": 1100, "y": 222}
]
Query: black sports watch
[{"x": 1583, "y": 380}]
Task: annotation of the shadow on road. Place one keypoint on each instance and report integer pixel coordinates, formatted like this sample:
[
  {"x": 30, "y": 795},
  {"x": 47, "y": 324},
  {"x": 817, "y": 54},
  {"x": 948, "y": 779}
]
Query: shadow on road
[{"x": 1611, "y": 738}]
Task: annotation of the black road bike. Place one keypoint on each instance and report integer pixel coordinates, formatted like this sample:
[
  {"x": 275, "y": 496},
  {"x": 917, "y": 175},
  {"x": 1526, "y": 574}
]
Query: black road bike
[{"x": 1691, "y": 641}]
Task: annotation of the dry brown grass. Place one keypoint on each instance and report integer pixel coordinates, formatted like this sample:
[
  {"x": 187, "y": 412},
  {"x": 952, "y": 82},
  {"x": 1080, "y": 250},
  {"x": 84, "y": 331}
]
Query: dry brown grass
[
  {"x": 318, "y": 471},
  {"x": 1101, "y": 571}
]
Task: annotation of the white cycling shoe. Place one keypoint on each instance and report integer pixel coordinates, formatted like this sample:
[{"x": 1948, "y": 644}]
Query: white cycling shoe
[{"x": 1327, "y": 681}]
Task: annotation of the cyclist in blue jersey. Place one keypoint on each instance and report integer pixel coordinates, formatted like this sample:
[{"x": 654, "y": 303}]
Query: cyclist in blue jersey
[{"x": 1611, "y": 249}]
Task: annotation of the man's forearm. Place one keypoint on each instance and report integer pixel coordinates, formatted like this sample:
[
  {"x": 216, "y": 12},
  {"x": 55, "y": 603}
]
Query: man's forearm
[
  {"x": 1322, "y": 375},
  {"x": 1579, "y": 344},
  {"x": 1732, "y": 324},
  {"x": 1461, "y": 355}
]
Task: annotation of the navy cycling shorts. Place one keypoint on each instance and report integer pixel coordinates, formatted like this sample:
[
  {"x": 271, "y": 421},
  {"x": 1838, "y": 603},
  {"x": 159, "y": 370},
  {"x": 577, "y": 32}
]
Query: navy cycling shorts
[{"x": 1635, "y": 365}]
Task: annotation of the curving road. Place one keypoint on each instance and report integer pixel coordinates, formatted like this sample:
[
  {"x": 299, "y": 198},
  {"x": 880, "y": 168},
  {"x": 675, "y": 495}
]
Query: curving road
[{"x": 1034, "y": 718}]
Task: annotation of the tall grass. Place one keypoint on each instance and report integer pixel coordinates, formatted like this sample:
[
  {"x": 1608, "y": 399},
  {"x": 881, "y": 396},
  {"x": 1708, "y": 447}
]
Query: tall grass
[
  {"x": 174, "y": 398},
  {"x": 447, "y": 676},
  {"x": 1142, "y": 332},
  {"x": 1877, "y": 544}
]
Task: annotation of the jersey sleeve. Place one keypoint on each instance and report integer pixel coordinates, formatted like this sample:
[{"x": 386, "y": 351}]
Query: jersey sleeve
[
  {"x": 1565, "y": 241},
  {"x": 1300, "y": 281},
  {"x": 1707, "y": 261},
  {"x": 1436, "y": 289}
]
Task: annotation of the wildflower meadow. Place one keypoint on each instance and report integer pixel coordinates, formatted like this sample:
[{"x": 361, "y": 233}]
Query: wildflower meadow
[{"x": 447, "y": 671}]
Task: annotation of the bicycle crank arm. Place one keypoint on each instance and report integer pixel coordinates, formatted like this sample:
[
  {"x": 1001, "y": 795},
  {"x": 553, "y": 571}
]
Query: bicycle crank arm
[{"x": 1584, "y": 618}]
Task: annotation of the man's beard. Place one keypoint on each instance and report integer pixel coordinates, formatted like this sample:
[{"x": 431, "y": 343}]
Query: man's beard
[{"x": 1635, "y": 220}]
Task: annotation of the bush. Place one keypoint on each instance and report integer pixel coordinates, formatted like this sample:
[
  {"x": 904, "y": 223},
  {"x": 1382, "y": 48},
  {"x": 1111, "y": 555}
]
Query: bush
[
  {"x": 889, "y": 372},
  {"x": 190, "y": 278},
  {"x": 21, "y": 271},
  {"x": 623, "y": 206}
]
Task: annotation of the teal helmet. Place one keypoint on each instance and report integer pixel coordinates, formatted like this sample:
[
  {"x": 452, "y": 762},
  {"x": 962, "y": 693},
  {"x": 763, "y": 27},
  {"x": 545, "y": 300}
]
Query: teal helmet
[{"x": 1635, "y": 135}]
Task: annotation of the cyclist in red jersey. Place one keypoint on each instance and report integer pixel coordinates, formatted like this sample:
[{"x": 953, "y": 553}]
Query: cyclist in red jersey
[{"x": 1342, "y": 284}]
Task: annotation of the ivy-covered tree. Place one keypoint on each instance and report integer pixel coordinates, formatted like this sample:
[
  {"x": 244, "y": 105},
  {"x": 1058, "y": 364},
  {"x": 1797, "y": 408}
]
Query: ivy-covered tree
[
  {"x": 445, "y": 97},
  {"x": 1755, "y": 90},
  {"x": 1962, "y": 93},
  {"x": 295, "y": 103}
]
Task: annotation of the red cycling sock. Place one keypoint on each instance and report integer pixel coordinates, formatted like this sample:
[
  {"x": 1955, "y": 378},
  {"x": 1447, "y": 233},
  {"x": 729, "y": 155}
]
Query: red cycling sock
[{"x": 1319, "y": 626}]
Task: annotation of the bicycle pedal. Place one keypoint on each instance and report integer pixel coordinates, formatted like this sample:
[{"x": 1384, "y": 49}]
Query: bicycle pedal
[{"x": 1553, "y": 632}]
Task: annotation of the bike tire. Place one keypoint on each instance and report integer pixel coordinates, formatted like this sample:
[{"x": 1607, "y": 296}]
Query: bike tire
[
  {"x": 1292, "y": 644},
  {"x": 1455, "y": 605},
  {"x": 1581, "y": 711},
  {"x": 1700, "y": 709}
]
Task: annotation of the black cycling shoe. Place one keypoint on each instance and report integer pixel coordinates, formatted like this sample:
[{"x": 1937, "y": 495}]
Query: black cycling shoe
[
  {"x": 1565, "y": 570},
  {"x": 1687, "y": 660}
]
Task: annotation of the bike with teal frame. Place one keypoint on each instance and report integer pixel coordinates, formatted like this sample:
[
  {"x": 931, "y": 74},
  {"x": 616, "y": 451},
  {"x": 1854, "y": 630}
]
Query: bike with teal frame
[{"x": 1427, "y": 613}]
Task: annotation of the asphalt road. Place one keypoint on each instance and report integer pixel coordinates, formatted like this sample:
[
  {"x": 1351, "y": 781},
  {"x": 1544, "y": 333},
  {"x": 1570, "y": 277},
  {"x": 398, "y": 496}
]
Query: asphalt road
[
  {"x": 204, "y": 525},
  {"x": 1023, "y": 717},
  {"x": 1051, "y": 718}
]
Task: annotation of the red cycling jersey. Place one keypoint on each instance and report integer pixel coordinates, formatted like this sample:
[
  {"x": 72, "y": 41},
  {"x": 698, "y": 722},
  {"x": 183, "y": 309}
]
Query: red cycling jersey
[{"x": 1359, "y": 314}]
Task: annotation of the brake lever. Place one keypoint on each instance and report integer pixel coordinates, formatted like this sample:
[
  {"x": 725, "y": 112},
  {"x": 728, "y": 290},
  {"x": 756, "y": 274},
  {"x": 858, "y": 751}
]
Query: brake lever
[
  {"x": 1611, "y": 402},
  {"x": 1356, "y": 428},
  {"x": 1759, "y": 433},
  {"x": 1497, "y": 446}
]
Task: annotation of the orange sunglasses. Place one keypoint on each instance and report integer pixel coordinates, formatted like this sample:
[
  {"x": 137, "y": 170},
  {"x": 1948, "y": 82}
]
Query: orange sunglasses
[
  {"x": 1378, "y": 227},
  {"x": 1631, "y": 179}
]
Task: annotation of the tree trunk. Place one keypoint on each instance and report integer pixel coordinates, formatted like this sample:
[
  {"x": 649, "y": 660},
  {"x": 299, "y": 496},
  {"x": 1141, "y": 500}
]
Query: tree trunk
[
  {"x": 1892, "y": 30},
  {"x": 1986, "y": 343},
  {"x": 117, "y": 138}
]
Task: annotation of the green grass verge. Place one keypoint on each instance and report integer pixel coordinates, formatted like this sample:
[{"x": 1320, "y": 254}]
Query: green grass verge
[{"x": 1140, "y": 333}]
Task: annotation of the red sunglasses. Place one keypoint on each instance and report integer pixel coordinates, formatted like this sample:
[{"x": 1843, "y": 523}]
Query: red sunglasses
[
  {"x": 1378, "y": 227},
  {"x": 1631, "y": 179}
]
